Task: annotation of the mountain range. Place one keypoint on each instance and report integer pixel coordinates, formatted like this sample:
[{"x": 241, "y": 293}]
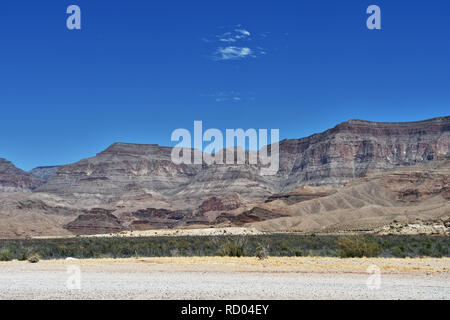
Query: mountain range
[{"x": 359, "y": 175}]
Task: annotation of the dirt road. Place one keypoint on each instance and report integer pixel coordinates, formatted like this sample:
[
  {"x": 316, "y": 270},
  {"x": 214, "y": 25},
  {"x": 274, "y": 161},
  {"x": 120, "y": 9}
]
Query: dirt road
[{"x": 227, "y": 278}]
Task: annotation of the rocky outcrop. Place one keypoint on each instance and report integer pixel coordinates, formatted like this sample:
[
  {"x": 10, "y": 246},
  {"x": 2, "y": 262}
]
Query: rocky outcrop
[
  {"x": 95, "y": 221},
  {"x": 411, "y": 187},
  {"x": 152, "y": 218},
  {"x": 220, "y": 204},
  {"x": 14, "y": 179},
  {"x": 439, "y": 226}
]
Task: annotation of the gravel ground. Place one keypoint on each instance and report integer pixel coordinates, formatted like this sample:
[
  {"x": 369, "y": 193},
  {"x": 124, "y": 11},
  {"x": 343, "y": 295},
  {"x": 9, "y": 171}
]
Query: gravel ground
[{"x": 130, "y": 280}]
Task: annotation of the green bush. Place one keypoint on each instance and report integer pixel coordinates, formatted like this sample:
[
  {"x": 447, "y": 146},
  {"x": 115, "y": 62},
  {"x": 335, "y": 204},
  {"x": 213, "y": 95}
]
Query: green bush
[
  {"x": 276, "y": 245},
  {"x": 262, "y": 252},
  {"x": 233, "y": 248},
  {"x": 298, "y": 252},
  {"x": 22, "y": 254},
  {"x": 442, "y": 250},
  {"x": 398, "y": 251},
  {"x": 5, "y": 255},
  {"x": 357, "y": 247}
]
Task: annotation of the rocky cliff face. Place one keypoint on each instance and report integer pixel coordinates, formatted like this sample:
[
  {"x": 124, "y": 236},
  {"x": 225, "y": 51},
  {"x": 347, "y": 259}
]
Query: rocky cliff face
[
  {"x": 143, "y": 188},
  {"x": 13, "y": 179},
  {"x": 355, "y": 148},
  {"x": 130, "y": 170},
  {"x": 120, "y": 168},
  {"x": 334, "y": 157}
]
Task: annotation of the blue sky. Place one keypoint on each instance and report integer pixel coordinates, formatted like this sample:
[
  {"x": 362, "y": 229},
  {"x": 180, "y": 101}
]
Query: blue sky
[{"x": 137, "y": 70}]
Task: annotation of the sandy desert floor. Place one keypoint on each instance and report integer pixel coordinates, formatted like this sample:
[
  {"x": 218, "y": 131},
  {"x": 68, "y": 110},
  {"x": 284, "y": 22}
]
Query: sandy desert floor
[{"x": 227, "y": 278}]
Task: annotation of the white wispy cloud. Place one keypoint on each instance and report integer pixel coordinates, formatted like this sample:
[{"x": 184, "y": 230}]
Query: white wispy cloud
[
  {"x": 227, "y": 39},
  {"x": 243, "y": 32},
  {"x": 230, "y": 96},
  {"x": 236, "y": 43},
  {"x": 233, "y": 53},
  {"x": 234, "y": 36}
]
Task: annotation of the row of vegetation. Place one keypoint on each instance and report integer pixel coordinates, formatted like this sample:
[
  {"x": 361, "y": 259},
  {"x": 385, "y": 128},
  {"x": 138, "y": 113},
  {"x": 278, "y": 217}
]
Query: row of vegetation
[{"x": 237, "y": 246}]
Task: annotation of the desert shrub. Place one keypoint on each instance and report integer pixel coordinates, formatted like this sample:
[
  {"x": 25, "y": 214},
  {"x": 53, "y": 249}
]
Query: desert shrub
[
  {"x": 425, "y": 252},
  {"x": 425, "y": 249},
  {"x": 284, "y": 246},
  {"x": 262, "y": 252},
  {"x": 437, "y": 250},
  {"x": 357, "y": 247},
  {"x": 442, "y": 250},
  {"x": 22, "y": 254},
  {"x": 398, "y": 251},
  {"x": 276, "y": 245},
  {"x": 5, "y": 255},
  {"x": 233, "y": 248},
  {"x": 174, "y": 252},
  {"x": 34, "y": 258}
]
